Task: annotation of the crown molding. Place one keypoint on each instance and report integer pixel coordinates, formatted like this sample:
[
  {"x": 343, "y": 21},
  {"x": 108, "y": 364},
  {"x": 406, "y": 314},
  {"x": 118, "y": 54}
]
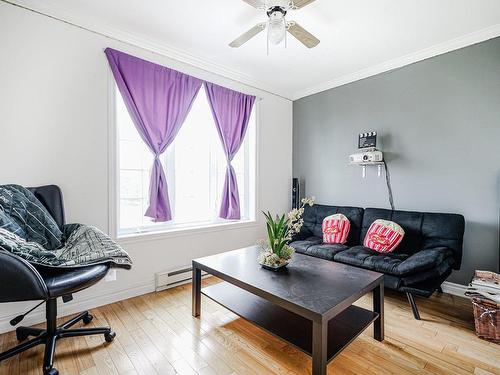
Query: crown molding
[
  {"x": 160, "y": 48},
  {"x": 436, "y": 50},
  {"x": 150, "y": 45}
]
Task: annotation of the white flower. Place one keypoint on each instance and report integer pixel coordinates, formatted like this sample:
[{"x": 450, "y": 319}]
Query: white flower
[
  {"x": 293, "y": 214},
  {"x": 309, "y": 201}
]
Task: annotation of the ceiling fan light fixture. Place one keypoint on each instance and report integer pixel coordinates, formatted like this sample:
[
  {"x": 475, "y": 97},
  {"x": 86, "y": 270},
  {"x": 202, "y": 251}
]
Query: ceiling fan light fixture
[
  {"x": 276, "y": 31},
  {"x": 276, "y": 26}
]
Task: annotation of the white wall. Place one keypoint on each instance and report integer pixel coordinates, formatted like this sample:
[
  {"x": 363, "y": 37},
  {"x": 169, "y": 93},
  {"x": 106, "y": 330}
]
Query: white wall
[{"x": 54, "y": 82}]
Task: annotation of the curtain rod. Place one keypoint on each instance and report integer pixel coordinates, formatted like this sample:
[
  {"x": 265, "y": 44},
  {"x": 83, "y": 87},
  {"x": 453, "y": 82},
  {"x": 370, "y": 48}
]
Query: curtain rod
[{"x": 259, "y": 98}]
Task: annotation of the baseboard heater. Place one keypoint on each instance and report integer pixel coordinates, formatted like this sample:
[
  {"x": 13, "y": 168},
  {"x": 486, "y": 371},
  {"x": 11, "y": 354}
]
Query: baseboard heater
[{"x": 170, "y": 279}]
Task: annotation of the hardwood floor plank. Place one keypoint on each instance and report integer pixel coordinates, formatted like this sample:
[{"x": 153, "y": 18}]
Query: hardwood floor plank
[
  {"x": 11, "y": 365},
  {"x": 128, "y": 345},
  {"x": 173, "y": 331},
  {"x": 97, "y": 347},
  {"x": 90, "y": 371},
  {"x": 183, "y": 368},
  {"x": 207, "y": 371},
  {"x": 82, "y": 353},
  {"x": 155, "y": 357},
  {"x": 228, "y": 356},
  {"x": 479, "y": 371},
  {"x": 120, "y": 358}
]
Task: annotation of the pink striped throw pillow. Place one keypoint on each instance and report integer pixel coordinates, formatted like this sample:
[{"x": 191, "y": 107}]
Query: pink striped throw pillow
[
  {"x": 335, "y": 228},
  {"x": 384, "y": 236}
]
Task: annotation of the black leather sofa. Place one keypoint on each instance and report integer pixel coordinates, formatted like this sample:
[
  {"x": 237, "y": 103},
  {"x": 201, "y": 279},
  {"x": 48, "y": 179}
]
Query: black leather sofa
[{"x": 430, "y": 250}]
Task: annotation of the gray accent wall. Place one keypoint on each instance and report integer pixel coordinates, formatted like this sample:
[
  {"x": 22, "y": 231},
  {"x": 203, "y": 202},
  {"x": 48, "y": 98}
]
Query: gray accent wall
[{"x": 438, "y": 122}]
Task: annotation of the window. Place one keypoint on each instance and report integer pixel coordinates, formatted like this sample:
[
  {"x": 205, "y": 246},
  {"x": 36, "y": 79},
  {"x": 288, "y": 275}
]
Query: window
[{"x": 195, "y": 166}]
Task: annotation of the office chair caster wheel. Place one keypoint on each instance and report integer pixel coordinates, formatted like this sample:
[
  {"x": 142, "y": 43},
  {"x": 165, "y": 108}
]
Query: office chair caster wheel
[
  {"x": 52, "y": 371},
  {"x": 110, "y": 336},
  {"x": 21, "y": 336},
  {"x": 87, "y": 318}
]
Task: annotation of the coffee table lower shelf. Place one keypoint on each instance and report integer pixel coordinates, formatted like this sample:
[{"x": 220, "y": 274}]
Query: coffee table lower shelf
[{"x": 287, "y": 325}]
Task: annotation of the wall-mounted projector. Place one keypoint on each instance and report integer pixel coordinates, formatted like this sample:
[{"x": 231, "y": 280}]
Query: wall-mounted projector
[{"x": 371, "y": 156}]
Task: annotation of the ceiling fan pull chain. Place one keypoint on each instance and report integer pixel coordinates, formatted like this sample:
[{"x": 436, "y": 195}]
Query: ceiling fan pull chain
[
  {"x": 284, "y": 26},
  {"x": 267, "y": 40}
]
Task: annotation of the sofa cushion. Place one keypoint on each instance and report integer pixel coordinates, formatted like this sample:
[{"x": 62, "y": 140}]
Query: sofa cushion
[
  {"x": 335, "y": 229},
  {"x": 361, "y": 256},
  {"x": 325, "y": 250},
  {"x": 393, "y": 263},
  {"x": 303, "y": 245},
  {"x": 383, "y": 236}
]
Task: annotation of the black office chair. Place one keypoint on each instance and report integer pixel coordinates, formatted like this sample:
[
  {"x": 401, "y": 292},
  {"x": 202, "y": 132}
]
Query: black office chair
[{"x": 21, "y": 281}]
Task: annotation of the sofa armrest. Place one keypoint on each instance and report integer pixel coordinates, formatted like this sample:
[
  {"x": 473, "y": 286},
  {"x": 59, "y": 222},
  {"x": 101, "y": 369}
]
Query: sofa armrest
[
  {"x": 424, "y": 260},
  {"x": 19, "y": 280}
]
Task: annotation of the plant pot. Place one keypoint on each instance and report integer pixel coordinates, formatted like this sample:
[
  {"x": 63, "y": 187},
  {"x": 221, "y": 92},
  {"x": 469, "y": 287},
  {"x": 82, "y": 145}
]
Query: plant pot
[
  {"x": 274, "y": 268},
  {"x": 271, "y": 261}
]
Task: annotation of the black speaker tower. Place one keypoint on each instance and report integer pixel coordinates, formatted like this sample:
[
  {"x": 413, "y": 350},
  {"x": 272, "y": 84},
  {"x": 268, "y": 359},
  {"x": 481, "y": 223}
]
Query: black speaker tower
[{"x": 295, "y": 193}]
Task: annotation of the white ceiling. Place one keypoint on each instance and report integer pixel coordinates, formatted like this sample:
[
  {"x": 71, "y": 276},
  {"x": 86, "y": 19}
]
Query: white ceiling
[{"x": 358, "y": 37}]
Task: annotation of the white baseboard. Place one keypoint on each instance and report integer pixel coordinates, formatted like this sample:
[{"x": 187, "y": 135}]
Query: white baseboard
[
  {"x": 79, "y": 305},
  {"x": 455, "y": 289}
]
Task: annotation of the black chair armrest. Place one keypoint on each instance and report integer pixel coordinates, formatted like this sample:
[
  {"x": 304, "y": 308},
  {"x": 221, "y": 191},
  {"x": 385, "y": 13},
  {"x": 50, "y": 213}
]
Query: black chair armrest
[{"x": 19, "y": 280}]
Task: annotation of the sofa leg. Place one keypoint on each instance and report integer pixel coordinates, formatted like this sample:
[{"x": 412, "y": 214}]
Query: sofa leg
[{"x": 413, "y": 305}]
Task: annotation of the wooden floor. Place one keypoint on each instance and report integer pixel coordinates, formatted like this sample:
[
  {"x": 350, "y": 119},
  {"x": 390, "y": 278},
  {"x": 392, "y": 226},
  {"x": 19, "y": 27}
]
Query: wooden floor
[{"x": 157, "y": 335}]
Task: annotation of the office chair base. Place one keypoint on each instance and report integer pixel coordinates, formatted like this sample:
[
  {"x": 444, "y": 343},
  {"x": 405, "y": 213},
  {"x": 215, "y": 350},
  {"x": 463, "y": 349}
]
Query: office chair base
[{"x": 52, "y": 333}]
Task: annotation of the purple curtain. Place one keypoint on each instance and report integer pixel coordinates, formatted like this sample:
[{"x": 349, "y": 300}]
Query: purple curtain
[
  {"x": 231, "y": 111},
  {"x": 158, "y": 100}
]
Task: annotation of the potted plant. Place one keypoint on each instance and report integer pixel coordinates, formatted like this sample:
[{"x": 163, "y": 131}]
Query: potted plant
[{"x": 276, "y": 253}]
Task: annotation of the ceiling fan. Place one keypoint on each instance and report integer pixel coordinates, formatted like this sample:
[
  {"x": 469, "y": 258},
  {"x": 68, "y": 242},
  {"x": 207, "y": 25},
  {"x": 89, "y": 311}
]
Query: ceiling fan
[{"x": 277, "y": 25}]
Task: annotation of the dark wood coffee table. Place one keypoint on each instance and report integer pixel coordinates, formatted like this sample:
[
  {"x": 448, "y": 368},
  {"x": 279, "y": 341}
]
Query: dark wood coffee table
[{"x": 309, "y": 304}]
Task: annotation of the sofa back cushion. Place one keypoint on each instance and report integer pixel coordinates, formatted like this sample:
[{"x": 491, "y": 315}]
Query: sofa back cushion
[
  {"x": 422, "y": 230},
  {"x": 314, "y": 216}
]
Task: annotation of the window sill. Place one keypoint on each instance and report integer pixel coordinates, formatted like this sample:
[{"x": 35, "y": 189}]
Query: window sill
[{"x": 189, "y": 231}]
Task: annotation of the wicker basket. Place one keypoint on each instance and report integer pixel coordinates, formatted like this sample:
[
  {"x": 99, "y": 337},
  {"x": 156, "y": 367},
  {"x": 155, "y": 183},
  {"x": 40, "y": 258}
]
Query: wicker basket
[{"x": 487, "y": 319}]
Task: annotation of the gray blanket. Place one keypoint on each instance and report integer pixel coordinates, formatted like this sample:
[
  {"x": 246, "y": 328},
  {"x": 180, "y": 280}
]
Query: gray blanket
[
  {"x": 28, "y": 231},
  {"x": 86, "y": 245}
]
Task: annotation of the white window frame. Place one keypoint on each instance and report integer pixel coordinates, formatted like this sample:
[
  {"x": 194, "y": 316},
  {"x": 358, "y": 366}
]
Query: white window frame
[{"x": 169, "y": 230}]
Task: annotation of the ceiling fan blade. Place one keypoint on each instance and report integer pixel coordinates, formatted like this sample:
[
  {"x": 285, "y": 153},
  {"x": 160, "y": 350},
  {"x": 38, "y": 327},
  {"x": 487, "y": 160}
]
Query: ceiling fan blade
[
  {"x": 245, "y": 37},
  {"x": 302, "y": 35},
  {"x": 255, "y": 3},
  {"x": 301, "y": 3}
]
